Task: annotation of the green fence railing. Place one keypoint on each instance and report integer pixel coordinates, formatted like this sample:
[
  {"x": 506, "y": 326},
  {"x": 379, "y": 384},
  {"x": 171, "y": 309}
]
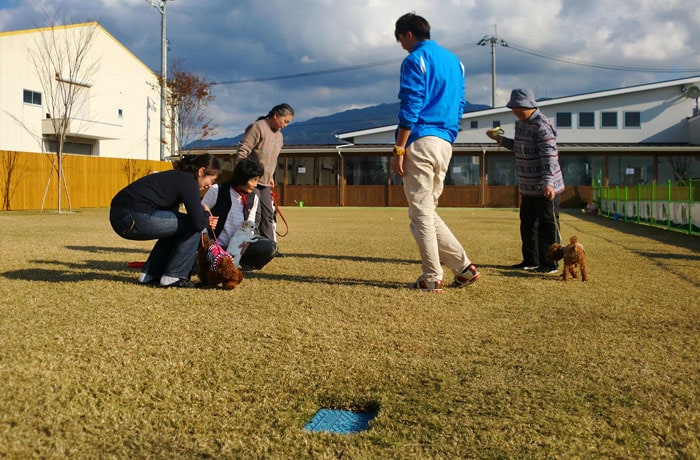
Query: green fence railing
[{"x": 675, "y": 206}]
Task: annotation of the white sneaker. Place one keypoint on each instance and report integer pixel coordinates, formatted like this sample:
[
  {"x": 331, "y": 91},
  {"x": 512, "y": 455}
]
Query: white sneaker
[{"x": 469, "y": 276}]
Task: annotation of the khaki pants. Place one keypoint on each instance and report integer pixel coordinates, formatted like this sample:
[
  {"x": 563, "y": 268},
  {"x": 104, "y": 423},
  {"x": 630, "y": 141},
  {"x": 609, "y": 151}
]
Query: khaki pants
[{"x": 425, "y": 166}]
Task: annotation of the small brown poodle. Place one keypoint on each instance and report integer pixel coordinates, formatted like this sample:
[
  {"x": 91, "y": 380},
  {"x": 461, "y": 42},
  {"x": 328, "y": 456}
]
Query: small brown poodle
[
  {"x": 215, "y": 266},
  {"x": 573, "y": 254}
]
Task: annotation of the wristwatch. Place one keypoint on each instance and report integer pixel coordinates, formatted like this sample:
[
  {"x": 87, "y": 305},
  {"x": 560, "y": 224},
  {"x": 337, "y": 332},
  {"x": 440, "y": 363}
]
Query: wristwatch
[{"x": 398, "y": 151}]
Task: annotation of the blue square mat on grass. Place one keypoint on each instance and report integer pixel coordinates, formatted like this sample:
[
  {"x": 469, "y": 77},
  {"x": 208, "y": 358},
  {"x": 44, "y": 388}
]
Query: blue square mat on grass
[{"x": 339, "y": 421}]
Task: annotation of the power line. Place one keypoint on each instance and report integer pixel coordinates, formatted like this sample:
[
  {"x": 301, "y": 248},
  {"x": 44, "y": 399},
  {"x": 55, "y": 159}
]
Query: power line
[
  {"x": 599, "y": 66},
  {"x": 459, "y": 48},
  {"x": 311, "y": 74}
]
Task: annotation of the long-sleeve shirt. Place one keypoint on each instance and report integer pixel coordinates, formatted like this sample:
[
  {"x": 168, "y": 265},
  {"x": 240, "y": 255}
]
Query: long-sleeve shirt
[
  {"x": 431, "y": 92},
  {"x": 263, "y": 143},
  {"x": 235, "y": 216},
  {"x": 536, "y": 155},
  {"x": 164, "y": 191}
]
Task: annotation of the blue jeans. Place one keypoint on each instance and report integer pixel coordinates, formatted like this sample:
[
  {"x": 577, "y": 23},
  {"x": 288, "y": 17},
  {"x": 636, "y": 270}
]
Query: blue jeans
[{"x": 174, "y": 253}]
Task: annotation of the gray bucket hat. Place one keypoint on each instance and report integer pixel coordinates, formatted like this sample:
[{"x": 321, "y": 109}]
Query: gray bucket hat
[{"x": 521, "y": 98}]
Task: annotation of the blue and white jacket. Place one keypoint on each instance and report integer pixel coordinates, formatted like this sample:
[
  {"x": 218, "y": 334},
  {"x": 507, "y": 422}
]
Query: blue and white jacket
[{"x": 431, "y": 92}]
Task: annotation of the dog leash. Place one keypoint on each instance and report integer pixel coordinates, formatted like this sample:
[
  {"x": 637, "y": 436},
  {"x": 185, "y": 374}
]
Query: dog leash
[
  {"x": 556, "y": 222},
  {"x": 275, "y": 198}
]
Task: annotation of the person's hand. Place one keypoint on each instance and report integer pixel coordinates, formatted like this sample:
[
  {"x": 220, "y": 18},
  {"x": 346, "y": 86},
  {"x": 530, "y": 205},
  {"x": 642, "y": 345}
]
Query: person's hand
[
  {"x": 244, "y": 247},
  {"x": 490, "y": 134},
  {"x": 397, "y": 165},
  {"x": 213, "y": 220},
  {"x": 549, "y": 192}
]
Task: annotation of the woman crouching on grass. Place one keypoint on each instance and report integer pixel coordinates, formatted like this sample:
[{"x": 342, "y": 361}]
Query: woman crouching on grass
[
  {"x": 234, "y": 203},
  {"x": 148, "y": 209}
]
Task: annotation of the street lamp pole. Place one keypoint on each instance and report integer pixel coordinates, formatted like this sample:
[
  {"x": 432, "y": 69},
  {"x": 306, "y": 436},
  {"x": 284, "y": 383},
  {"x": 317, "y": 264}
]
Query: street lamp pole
[
  {"x": 493, "y": 40},
  {"x": 160, "y": 6}
]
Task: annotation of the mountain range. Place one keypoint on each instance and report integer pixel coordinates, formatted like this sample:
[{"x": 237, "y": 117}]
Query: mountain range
[{"x": 322, "y": 130}]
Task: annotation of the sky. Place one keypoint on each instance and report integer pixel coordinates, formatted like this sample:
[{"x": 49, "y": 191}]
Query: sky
[{"x": 328, "y": 56}]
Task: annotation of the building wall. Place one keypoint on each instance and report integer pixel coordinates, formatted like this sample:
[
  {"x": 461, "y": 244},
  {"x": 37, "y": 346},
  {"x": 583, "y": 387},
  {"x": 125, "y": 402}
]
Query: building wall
[
  {"x": 663, "y": 113},
  {"x": 121, "y": 82},
  {"x": 664, "y": 110}
]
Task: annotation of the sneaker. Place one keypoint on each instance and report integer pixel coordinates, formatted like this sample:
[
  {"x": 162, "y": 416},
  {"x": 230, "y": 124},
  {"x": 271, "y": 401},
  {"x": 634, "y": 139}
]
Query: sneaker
[
  {"x": 468, "y": 276},
  {"x": 525, "y": 266},
  {"x": 427, "y": 286},
  {"x": 547, "y": 270},
  {"x": 181, "y": 284}
]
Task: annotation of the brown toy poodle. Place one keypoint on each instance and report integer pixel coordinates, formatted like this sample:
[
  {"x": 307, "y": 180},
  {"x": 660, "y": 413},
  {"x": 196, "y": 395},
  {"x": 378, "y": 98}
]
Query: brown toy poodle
[
  {"x": 215, "y": 266},
  {"x": 573, "y": 254}
]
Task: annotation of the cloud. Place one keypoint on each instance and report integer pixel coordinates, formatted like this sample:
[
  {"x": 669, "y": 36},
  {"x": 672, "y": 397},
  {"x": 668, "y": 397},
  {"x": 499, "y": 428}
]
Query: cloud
[{"x": 550, "y": 43}]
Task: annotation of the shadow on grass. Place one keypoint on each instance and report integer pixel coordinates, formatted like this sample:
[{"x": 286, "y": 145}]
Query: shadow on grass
[
  {"x": 91, "y": 270},
  {"x": 106, "y": 250},
  {"x": 676, "y": 238},
  {"x": 351, "y": 258},
  {"x": 61, "y": 276},
  {"x": 87, "y": 270},
  {"x": 329, "y": 281}
]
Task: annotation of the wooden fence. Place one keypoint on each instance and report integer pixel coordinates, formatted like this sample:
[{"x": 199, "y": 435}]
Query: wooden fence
[{"x": 29, "y": 181}]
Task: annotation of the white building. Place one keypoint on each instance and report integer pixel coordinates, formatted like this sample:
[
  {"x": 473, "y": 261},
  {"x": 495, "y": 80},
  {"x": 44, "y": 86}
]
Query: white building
[
  {"x": 657, "y": 113},
  {"x": 639, "y": 135},
  {"x": 627, "y": 136},
  {"x": 117, "y": 112}
]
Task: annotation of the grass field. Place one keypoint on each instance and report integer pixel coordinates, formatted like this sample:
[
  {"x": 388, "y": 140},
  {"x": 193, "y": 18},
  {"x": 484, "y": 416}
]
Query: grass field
[{"x": 519, "y": 365}]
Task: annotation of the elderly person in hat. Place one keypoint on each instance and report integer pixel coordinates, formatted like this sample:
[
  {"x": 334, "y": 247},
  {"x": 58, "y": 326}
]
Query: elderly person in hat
[{"x": 539, "y": 178}]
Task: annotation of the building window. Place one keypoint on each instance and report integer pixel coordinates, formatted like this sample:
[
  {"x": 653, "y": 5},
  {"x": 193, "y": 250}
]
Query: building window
[
  {"x": 316, "y": 170},
  {"x": 463, "y": 170},
  {"x": 501, "y": 170},
  {"x": 633, "y": 119},
  {"x": 581, "y": 169},
  {"x": 678, "y": 169},
  {"x": 496, "y": 123},
  {"x": 367, "y": 170},
  {"x": 120, "y": 113},
  {"x": 71, "y": 145},
  {"x": 563, "y": 119},
  {"x": 474, "y": 124},
  {"x": 32, "y": 97},
  {"x": 586, "y": 120},
  {"x": 608, "y": 119},
  {"x": 630, "y": 170}
]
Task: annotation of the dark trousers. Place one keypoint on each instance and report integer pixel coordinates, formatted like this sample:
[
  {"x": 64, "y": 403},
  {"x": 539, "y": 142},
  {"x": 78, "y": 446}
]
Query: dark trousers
[
  {"x": 539, "y": 223},
  {"x": 258, "y": 254},
  {"x": 265, "y": 217}
]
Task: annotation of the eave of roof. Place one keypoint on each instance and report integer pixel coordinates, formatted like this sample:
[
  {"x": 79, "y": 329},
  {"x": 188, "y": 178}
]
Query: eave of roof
[{"x": 545, "y": 103}]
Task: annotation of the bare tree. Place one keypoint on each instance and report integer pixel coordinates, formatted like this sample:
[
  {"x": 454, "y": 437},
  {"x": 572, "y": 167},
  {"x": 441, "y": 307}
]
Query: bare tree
[
  {"x": 64, "y": 62},
  {"x": 187, "y": 99}
]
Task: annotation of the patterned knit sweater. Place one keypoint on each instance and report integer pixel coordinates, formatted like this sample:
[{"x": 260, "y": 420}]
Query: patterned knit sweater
[{"x": 536, "y": 155}]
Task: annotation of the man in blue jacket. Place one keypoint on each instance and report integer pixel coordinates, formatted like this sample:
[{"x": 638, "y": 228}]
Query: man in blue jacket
[{"x": 432, "y": 103}]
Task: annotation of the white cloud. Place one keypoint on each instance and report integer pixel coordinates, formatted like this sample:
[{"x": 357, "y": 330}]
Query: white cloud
[{"x": 246, "y": 39}]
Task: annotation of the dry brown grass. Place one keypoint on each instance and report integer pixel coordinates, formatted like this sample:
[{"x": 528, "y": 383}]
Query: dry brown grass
[{"x": 518, "y": 365}]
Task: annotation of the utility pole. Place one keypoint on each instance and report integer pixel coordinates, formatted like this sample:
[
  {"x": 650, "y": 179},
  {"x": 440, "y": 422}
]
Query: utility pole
[
  {"x": 160, "y": 6},
  {"x": 493, "y": 40}
]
